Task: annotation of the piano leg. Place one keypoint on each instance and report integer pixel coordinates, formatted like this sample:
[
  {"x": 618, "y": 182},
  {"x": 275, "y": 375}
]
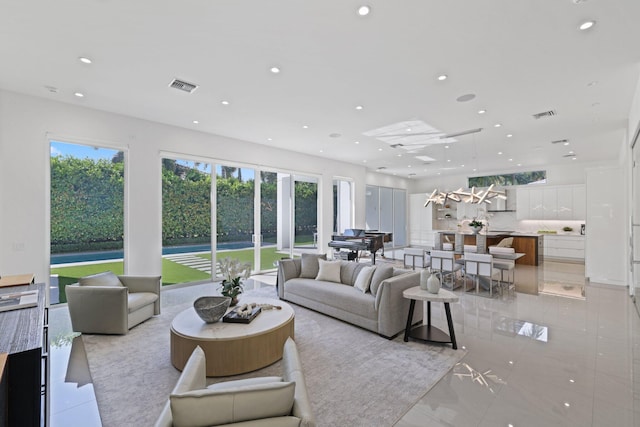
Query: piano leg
[{"x": 373, "y": 258}]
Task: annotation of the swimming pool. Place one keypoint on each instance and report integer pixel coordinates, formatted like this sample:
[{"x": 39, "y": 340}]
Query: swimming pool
[{"x": 167, "y": 250}]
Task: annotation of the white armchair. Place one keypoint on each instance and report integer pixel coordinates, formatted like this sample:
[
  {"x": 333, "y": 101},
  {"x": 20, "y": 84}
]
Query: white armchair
[
  {"x": 108, "y": 304},
  {"x": 256, "y": 402}
]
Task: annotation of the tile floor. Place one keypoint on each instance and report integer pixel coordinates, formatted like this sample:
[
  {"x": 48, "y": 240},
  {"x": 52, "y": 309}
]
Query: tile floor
[{"x": 557, "y": 352}]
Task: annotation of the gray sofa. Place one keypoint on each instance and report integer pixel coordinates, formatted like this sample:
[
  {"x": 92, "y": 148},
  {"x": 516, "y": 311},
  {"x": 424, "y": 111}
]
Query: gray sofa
[
  {"x": 252, "y": 402},
  {"x": 382, "y": 309}
]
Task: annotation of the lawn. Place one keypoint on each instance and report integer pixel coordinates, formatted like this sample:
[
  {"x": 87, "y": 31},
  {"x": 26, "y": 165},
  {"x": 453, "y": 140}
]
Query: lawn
[{"x": 172, "y": 272}]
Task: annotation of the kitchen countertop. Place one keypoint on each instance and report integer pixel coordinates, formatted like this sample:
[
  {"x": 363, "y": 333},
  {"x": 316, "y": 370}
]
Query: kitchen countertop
[{"x": 510, "y": 233}]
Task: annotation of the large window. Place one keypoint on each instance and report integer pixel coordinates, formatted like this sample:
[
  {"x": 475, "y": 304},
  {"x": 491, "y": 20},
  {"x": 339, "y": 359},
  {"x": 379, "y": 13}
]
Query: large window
[
  {"x": 186, "y": 221},
  {"x": 342, "y": 217},
  {"x": 518, "y": 178},
  {"x": 87, "y": 213}
]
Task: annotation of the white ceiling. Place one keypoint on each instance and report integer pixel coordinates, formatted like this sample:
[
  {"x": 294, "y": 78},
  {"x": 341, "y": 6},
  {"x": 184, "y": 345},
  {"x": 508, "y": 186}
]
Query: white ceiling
[{"x": 519, "y": 57}]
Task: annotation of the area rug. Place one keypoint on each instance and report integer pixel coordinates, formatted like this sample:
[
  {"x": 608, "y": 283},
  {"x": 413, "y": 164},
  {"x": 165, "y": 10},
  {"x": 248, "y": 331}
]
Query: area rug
[{"x": 354, "y": 377}]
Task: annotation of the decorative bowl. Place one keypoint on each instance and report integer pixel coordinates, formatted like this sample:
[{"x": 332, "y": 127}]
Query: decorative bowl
[{"x": 211, "y": 309}]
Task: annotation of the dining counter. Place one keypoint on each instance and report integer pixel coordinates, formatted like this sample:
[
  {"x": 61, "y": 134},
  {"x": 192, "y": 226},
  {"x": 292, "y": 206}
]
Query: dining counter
[{"x": 529, "y": 244}]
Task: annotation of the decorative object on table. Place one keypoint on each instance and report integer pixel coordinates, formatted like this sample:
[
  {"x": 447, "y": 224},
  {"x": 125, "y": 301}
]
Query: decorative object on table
[
  {"x": 234, "y": 272},
  {"x": 270, "y": 307},
  {"x": 211, "y": 308},
  {"x": 433, "y": 283},
  {"x": 567, "y": 229},
  {"x": 424, "y": 276},
  {"x": 243, "y": 314},
  {"x": 476, "y": 226}
]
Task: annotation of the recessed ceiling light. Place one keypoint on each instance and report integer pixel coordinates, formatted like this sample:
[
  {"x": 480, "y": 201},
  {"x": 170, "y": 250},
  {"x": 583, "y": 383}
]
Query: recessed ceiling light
[
  {"x": 379, "y": 149},
  {"x": 573, "y": 158},
  {"x": 364, "y": 161},
  {"x": 359, "y": 107},
  {"x": 509, "y": 135},
  {"x": 511, "y": 160},
  {"x": 497, "y": 125},
  {"x": 85, "y": 60},
  {"x": 446, "y": 146},
  {"x": 439, "y": 174},
  {"x": 195, "y": 122},
  {"x": 224, "y": 102},
  {"x": 399, "y": 155},
  {"x": 448, "y": 160},
  {"x": 482, "y": 111},
  {"x": 571, "y": 152},
  {"x": 500, "y": 153},
  {"x": 322, "y": 151},
  {"x": 274, "y": 70},
  {"x": 586, "y": 25},
  {"x": 461, "y": 166},
  {"x": 442, "y": 77},
  {"x": 269, "y": 139},
  {"x": 566, "y": 143},
  {"x": 305, "y": 127},
  {"x": 567, "y": 404},
  {"x": 474, "y": 169},
  {"x": 79, "y": 94},
  {"x": 409, "y": 166},
  {"x": 356, "y": 142},
  {"x": 364, "y": 10},
  {"x": 572, "y": 381},
  {"x": 408, "y": 129},
  {"x": 519, "y": 164}
]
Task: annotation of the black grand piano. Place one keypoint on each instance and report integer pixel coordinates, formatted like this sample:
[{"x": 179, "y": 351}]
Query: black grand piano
[{"x": 354, "y": 240}]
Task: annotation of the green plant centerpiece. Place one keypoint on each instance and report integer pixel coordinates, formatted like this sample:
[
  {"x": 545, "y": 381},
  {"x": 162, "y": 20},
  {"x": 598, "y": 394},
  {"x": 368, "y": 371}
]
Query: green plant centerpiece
[
  {"x": 233, "y": 272},
  {"x": 476, "y": 226}
]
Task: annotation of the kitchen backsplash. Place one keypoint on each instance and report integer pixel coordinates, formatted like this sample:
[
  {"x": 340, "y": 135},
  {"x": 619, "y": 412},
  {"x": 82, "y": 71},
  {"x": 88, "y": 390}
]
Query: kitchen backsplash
[{"x": 506, "y": 221}]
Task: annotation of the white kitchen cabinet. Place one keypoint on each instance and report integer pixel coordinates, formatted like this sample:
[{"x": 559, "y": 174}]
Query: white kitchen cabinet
[
  {"x": 564, "y": 247},
  {"x": 420, "y": 221},
  {"x": 522, "y": 203},
  {"x": 562, "y": 202},
  {"x": 579, "y": 195},
  {"x": 549, "y": 203}
]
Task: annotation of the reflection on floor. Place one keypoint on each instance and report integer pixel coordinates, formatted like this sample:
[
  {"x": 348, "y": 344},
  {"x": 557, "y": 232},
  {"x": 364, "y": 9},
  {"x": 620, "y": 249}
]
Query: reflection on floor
[{"x": 533, "y": 358}]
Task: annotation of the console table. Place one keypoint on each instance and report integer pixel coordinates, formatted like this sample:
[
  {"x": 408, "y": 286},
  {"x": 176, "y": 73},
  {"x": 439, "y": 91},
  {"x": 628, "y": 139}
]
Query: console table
[{"x": 25, "y": 339}]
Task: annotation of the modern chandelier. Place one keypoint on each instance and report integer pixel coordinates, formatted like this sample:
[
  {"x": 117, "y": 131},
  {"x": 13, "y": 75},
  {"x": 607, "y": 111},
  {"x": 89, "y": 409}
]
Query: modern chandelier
[{"x": 471, "y": 196}]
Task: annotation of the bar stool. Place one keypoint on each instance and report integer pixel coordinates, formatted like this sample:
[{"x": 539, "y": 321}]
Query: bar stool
[{"x": 418, "y": 253}]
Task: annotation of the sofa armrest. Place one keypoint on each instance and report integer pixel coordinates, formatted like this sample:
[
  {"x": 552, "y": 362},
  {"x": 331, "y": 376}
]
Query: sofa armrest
[
  {"x": 101, "y": 309},
  {"x": 151, "y": 284},
  {"x": 292, "y": 371},
  {"x": 392, "y": 307},
  {"x": 287, "y": 269}
]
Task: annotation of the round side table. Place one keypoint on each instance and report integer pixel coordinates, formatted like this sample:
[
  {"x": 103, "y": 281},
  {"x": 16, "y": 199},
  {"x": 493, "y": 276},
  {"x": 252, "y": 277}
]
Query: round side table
[{"x": 429, "y": 333}]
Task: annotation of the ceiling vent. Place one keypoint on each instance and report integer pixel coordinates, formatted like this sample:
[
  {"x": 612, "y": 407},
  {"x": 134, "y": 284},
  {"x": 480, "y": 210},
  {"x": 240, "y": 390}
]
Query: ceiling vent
[
  {"x": 381, "y": 168},
  {"x": 183, "y": 86},
  {"x": 569, "y": 155},
  {"x": 559, "y": 141},
  {"x": 544, "y": 114}
]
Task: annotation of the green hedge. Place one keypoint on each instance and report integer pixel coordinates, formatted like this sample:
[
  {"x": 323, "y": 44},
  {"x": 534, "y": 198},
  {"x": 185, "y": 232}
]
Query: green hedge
[{"x": 87, "y": 205}]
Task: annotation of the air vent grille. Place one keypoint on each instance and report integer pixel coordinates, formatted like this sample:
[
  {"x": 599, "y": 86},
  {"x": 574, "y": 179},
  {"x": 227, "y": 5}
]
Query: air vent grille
[
  {"x": 544, "y": 114},
  {"x": 183, "y": 86},
  {"x": 559, "y": 141}
]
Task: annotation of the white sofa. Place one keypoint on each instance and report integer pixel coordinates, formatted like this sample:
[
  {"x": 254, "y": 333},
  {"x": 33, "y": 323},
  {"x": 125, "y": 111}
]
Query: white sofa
[
  {"x": 252, "y": 402},
  {"x": 381, "y": 309}
]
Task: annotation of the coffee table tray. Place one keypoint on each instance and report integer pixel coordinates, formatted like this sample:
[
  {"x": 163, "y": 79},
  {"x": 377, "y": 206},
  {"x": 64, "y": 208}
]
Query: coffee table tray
[{"x": 234, "y": 317}]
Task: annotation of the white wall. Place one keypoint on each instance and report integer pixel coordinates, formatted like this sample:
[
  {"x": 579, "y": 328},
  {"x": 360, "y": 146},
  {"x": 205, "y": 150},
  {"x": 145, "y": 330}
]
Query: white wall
[{"x": 27, "y": 123}]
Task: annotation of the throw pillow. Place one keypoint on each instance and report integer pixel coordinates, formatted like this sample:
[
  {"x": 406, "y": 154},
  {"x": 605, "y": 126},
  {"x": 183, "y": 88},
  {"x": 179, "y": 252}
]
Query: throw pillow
[
  {"x": 329, "y": 271},
  {"x": 101, "y": 279},
  {"x": 382, "y": 272},
  {"x": 309, "y": 265},
  {"x": 363, "y": 281},
  {"x": 201, "y": 408},
  {"x": 349, "y": 271}
]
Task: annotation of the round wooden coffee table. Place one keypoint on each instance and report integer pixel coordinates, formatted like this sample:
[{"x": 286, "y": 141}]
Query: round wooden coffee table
[{"x": 233, "y": 348}]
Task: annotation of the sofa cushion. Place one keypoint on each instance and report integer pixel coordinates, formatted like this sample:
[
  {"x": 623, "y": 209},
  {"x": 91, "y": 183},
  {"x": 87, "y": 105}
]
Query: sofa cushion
[
  {"x": 383, "y": 272},
  {"x": 363, "y": 281},
  {"x": 201, "y": 408},
  {"x": 101, "y": 279},
  {"x": 137, "y": 300},
  {"x": 224, "y": 385},
  {"x": 349, "y": 271},
  {"x": 309, "y": 265},
  {"x": 329, "y": 271},
  {"x": 336, "y": 295}
]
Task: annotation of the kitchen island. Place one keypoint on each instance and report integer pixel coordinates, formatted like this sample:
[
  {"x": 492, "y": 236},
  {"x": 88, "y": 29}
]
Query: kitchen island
[{"x": 529, "y": 244}]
